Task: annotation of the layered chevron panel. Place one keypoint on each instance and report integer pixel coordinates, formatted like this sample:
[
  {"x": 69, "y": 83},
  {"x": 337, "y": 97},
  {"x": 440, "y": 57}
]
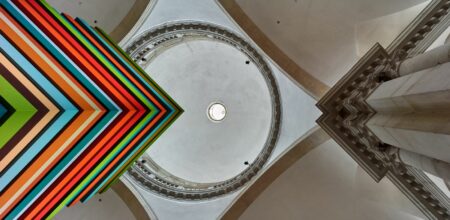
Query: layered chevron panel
[{"x": 75, "y": 111}]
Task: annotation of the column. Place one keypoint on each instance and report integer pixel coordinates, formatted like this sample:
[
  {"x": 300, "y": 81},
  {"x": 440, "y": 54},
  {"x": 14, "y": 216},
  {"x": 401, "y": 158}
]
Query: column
[
  {"x": 413, "y": 111},
  {"x": 426, "y": 135},
  {"x": 431, "y": 58}
]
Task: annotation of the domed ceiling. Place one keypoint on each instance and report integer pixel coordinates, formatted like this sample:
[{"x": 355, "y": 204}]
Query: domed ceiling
[
  {"x": 217, "y": 74},
  {"x": 175, "y": 41}
]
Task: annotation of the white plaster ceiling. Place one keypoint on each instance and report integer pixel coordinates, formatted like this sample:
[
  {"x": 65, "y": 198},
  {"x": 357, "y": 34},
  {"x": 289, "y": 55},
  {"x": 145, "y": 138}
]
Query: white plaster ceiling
[
  {"x": 326, "y": 37},
  {"x": 298, "y": 109},
  {"x": 328, "y": 184}
]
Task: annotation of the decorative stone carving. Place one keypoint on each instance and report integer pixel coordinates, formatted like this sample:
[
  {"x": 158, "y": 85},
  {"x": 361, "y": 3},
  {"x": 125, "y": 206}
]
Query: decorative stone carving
[
  {"x": 345, "y": 112},
  {"x": 345, "y": 115}
]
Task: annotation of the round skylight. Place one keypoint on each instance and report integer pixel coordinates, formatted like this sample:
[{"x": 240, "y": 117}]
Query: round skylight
[{"x": 217, "y": 112}]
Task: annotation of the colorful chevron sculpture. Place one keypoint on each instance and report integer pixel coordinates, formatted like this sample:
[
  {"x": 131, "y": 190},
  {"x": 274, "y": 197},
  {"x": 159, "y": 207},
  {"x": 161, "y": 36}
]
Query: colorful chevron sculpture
[{"x": 75, "y": 111}]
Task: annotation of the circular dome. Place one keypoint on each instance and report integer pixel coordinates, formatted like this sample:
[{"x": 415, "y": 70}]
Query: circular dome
[{"x": 205, "y": 155}]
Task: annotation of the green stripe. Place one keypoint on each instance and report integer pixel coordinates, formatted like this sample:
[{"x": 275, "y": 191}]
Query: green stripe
[{"x": 24, "y": 111}]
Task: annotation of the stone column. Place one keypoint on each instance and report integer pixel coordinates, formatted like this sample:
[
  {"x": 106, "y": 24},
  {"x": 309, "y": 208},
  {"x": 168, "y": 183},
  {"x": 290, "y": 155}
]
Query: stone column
[
  {"x": 431, "y": 58},
  {"x": 413, "y": 111}
]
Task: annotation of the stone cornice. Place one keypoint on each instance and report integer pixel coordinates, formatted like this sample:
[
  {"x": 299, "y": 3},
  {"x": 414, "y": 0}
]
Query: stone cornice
[{"x": 424, "y": 29}]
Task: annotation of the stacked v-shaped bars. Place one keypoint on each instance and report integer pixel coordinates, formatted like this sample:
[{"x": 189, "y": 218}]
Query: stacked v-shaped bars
[{"x": 75, "y": 111}]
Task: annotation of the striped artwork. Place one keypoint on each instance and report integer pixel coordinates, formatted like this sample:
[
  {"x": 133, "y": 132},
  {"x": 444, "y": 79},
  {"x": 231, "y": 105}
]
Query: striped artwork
[{"x": 75, "y": 111}]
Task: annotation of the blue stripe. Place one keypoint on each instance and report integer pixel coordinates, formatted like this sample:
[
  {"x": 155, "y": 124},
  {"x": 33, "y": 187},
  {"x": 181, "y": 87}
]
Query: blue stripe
[{"x": 3, "y": 111}]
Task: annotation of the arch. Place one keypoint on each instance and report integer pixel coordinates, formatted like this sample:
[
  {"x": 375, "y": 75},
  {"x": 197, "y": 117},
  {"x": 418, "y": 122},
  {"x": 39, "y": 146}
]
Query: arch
[{"x": 130, "y": 200}]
